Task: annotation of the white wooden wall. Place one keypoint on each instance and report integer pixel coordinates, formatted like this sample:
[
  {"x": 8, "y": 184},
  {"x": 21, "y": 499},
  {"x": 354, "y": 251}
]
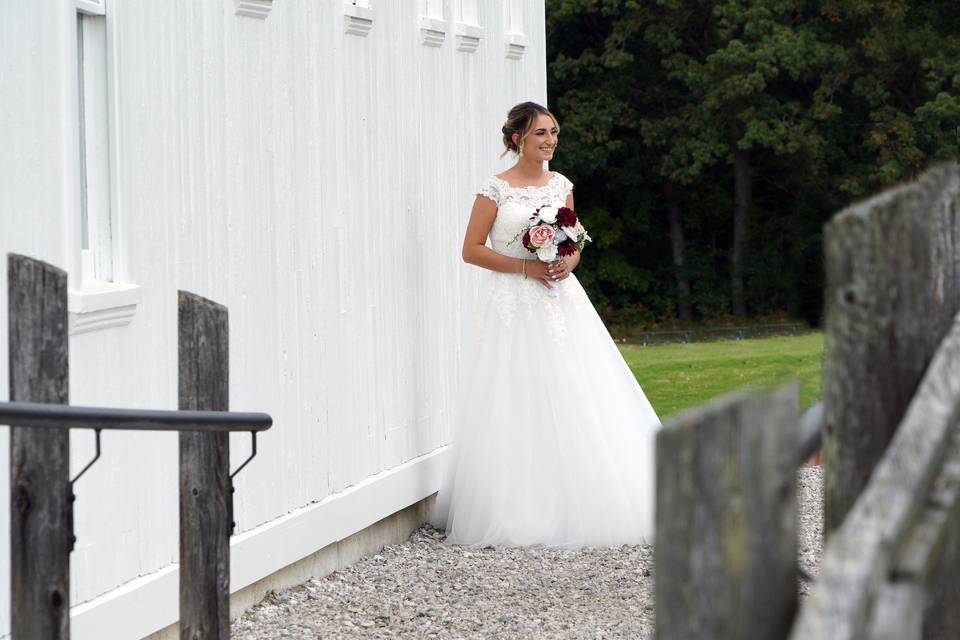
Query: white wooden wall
[{"x": 315, "y": 181}]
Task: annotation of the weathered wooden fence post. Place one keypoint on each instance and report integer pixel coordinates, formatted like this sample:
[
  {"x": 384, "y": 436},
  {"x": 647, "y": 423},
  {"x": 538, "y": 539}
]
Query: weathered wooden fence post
[
  {"x": 890, "y": 570},
  {"x": 39, "y": 458},
  {"x": 726, "y": 540},
  {"x": 205, "y": 502},
  {"x": 892, "y": 289}
]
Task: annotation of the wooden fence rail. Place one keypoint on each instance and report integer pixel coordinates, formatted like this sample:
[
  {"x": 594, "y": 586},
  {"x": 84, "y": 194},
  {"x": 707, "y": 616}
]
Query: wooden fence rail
[
  {"x": 41, "y": 495},
  {"x": 726, "y": 520},
  {"x": 895, "y": 555},
  {"x": 892, "y": 289}
]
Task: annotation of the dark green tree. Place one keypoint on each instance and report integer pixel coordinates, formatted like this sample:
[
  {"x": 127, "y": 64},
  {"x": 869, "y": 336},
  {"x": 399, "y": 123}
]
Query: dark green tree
[{"x": 693, "y": 126}]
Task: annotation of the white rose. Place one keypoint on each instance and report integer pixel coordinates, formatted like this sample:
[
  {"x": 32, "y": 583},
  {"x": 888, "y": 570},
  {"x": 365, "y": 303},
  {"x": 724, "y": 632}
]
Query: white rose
[
  {"x": 569, "y": 232},
  {"x": 548, "y": 214},
  {"x": 583, "y": 233},
  {"x": 547, "y": 253},
  {"x": 559, "y": 236}
]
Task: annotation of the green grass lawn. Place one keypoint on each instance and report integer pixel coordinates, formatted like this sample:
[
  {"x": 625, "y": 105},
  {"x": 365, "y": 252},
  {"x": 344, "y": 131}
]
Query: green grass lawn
[{"x": 680, "y": 376}]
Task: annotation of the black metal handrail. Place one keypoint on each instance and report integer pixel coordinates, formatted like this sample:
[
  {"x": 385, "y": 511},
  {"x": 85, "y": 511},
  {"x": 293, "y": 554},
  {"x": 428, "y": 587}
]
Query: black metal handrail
[
  {"x": 62, "y": 416},
  {"x": 42, "y": 508},
  {"x": 811, "y": 431}
]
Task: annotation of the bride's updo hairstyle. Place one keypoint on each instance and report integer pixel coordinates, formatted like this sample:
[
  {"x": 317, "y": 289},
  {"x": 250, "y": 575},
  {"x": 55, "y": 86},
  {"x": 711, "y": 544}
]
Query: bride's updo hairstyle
[{"x": 521, "y": 120}]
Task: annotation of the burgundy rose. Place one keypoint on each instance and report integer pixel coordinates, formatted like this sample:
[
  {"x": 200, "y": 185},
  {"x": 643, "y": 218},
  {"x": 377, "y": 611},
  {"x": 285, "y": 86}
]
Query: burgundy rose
[
  {"x": 567, "y": 247},
  {"x": 566, "y": 217},
  {"x": 526, "y": 242}
]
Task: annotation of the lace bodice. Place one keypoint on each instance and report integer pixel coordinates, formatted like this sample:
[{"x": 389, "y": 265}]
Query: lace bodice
[
  {"x": 514, "y": 207},
  {"x": 509, "y": 293}
]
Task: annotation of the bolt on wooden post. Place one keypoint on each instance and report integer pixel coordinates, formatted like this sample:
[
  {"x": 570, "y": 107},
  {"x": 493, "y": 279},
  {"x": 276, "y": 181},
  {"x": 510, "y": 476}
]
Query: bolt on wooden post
[{"x": 205, "y": 502}]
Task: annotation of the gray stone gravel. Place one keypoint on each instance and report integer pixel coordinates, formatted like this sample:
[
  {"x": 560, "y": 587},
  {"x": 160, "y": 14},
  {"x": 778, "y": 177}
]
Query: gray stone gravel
[
  {"x": 810, "y": 522},
  {"x": 426, "y": 589}
]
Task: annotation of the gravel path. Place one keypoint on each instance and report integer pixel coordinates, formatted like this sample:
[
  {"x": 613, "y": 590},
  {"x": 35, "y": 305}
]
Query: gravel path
[
  {"x": 426, "y": 589},
  {"x": 810, "y": 522}
]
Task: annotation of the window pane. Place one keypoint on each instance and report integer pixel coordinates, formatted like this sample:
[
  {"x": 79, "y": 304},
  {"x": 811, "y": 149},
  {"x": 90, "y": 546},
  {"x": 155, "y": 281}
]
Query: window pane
[
  {"x": 515, "y": 16},
  {"x": 84, "y": 229},
  {"x": 433, "y": 9},
  {"x": 468, "y": 11},
  {"x": 94, "y": 144}
]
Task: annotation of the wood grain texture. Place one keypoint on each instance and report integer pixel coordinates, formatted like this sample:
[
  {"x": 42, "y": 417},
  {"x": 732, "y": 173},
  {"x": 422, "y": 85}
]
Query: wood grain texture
[
  {"x": 928, "y": 556},
  {"x": 892, "y": 289},
  {"x": 897, "y": 613},
  {"x": 40, "y": 510},
  {"x": 726, "y": 518},
  {"x": 205, "y": 502},
  {"x": 902, "y": 527}
]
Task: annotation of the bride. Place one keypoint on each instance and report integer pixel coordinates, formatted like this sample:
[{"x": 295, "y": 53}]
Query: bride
[{"x": 553, "y": 439}]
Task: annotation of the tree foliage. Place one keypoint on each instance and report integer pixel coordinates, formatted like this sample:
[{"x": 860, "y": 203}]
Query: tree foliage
[{"x": 736, "y": 128}]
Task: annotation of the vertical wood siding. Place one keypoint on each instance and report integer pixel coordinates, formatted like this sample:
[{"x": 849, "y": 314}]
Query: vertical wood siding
[{"x": 315, "y": 182}]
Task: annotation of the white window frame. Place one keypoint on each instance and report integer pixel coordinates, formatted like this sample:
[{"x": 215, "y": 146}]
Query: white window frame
[
  {"x": 468, "y": 12},
  {"x": 467, "y": 26},
  {"x": 96, "y": 225},
  {"x": 98, "y": 298},
  {"x": 515, "y": 37},
  {"x": 357, "y": 17},
  {"x": 433, "y": 24},
  {"x": 253, "y": 8}
]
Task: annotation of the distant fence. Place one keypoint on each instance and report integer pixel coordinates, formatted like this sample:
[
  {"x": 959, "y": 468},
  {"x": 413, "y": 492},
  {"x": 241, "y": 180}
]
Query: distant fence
[
  {"x": 41, "y": 491},
  {"x": 726, "y": 496},
  {"x": 720, "y": 333}
]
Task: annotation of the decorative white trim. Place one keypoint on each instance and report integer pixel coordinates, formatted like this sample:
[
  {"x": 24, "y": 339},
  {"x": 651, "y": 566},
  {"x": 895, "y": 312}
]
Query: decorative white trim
[
  {"x": 254, "y": 8},
  {"x": 432, "y": 31},
  {"x": 357, "y": 20},
  {"x": 101, "y": 305},
  {"x": 92, "y": 7},
  {"x": 151, "y": 603},
  {"x": 468, "y": 36},
  {"x": 516, "y": 45}
]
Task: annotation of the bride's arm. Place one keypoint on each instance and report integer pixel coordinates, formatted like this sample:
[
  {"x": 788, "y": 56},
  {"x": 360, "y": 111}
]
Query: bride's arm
[
  {"x": 475, "y": 250},
  {"x": 572, "y": 260}
]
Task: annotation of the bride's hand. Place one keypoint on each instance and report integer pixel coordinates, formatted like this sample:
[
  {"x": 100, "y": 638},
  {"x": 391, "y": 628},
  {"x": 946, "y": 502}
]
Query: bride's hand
[
  {"x": 561, "y": 268},
  {"x": 567, "y": 264},
  {"x": 540, "y": 271},
  {"x": 547, "y": 272}
]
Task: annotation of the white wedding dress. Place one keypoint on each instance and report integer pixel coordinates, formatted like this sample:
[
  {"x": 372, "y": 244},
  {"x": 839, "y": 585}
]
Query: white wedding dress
[{"x": 553, "y": 440}]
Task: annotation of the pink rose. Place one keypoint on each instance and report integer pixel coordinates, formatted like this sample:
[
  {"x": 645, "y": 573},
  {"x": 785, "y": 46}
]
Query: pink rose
[{"x": 541, "y": 236}]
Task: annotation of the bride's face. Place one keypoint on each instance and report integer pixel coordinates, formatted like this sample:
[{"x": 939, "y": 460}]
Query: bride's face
[{"x": 541, "y": 142}]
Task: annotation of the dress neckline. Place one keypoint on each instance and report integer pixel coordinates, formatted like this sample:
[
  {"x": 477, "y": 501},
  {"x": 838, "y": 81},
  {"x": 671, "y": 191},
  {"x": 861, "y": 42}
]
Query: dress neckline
[{"x": 528, "y": 186}]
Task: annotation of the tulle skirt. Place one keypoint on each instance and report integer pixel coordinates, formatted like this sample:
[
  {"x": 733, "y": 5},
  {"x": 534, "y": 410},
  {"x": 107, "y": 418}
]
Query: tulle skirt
[{"x": 553, "y": 440}]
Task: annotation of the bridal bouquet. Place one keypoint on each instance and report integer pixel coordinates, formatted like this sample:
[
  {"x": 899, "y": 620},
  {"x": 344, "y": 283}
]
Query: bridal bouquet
[{"x": 553, "y": 232}]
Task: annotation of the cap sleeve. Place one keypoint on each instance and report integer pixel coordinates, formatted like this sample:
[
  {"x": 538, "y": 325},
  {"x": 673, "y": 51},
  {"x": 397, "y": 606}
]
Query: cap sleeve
[
  {"x": 565, "y": 185},
  {"x": 490, "y": 189}
]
